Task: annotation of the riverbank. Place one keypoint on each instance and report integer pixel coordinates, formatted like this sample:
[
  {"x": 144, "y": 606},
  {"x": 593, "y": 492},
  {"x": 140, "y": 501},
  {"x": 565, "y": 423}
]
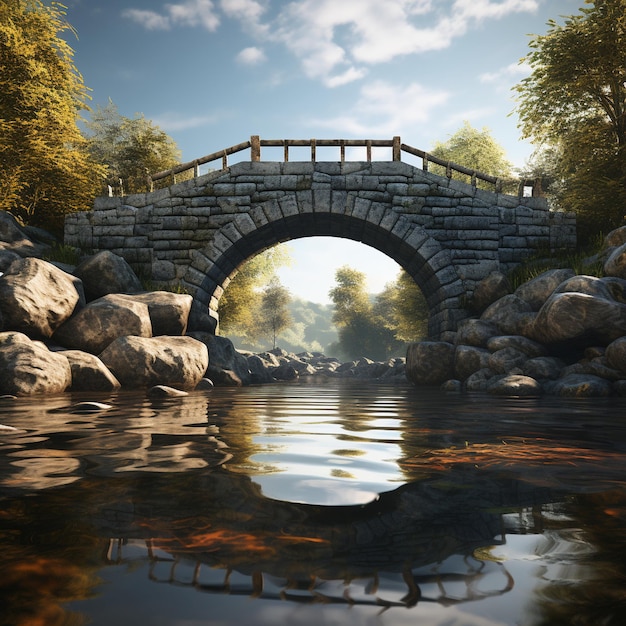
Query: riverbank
[{"x": 92, "y": 327}]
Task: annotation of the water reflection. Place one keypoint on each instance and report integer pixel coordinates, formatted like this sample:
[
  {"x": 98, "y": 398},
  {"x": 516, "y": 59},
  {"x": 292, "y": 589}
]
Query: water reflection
[{"x": 468, "y": 511}]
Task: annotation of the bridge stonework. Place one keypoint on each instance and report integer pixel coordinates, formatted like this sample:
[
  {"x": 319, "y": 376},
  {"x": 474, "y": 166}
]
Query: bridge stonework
[{"x": 446, "y": 234}]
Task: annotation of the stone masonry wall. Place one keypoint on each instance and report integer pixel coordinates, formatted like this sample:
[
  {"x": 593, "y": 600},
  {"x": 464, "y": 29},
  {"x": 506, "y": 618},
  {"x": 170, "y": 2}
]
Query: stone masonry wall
[{"x": 159, "y": 232}]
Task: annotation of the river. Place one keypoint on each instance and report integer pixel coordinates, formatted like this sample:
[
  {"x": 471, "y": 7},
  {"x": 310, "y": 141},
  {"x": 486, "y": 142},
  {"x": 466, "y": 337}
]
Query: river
[{"x": 313, "y": 504}]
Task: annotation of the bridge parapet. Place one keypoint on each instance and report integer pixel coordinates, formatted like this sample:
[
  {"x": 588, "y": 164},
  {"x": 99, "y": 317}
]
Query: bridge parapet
[{"x": 446, "y": 233}]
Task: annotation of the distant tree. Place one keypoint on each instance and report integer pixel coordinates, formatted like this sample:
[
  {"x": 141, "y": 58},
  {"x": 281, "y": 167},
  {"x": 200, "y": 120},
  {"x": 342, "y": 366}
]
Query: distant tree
[
  {"x": 275, "y": 316},
  {"x": 362, "y": 330},
  {"x": 574, "y": 101},
  {"x": 403, "y": 307},
  {"x": 475, "y": 149},
  {"x": 130, "y": 148},
  {"x": 239, "y": 305},
  {"x": 45, "y": 169}
]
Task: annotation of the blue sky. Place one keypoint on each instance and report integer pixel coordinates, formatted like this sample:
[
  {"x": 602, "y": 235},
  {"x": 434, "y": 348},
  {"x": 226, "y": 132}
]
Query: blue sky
[{"x": 213, "y": 72}]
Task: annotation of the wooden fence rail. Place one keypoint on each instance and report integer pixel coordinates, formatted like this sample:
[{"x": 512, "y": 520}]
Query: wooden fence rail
[{"x": 397, "y": 148}]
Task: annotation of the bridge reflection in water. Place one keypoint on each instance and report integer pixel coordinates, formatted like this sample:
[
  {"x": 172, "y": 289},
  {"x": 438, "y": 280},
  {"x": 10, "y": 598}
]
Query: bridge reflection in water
[
  {"x": 424, "y": 542},
  {"x": 117, "y": 512}
]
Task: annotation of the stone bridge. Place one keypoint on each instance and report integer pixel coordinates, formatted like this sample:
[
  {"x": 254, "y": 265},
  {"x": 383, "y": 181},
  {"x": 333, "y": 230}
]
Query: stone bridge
[{"x": 446, "y": 233}]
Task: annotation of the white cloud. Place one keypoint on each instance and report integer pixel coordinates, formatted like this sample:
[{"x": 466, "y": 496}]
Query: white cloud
[
  {"x": 385, "y": 109},
  {"x": 190, "y": 13},
  {"x": 148, "y": 19},
  {"x": 248, "y": 11},
  {"x": 514, "y": 70},
  {"x": 251, "y": 56},
  {"x": 334, "y": 41}
]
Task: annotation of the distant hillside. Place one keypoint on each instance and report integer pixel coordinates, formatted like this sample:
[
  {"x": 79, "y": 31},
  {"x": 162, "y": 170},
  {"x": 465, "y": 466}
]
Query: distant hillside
[{"x": 312, "y": 330}]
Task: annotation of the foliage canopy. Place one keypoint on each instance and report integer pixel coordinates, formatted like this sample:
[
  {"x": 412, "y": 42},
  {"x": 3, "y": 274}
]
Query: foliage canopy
[
  {"x": 474, "y": 149},
  {"x": 574, "y": 102},
  {"x": 46, "y": 170},
  {"x": 131, "y": 149}
]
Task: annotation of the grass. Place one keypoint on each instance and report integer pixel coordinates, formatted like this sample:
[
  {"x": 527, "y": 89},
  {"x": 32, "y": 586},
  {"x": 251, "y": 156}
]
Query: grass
[{"x": 61, "y": 253}]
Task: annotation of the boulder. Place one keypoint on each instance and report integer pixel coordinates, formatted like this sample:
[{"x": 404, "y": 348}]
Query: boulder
[
  {"x": 508, "y": 314},
  {"x": 223, "y": 355},
  {"x": 430, "y": 362},
  {"x": 479, "y": 380},
  {"x": 163, "y": 391},
  {"x": 223, "y": 378},
  {"x": 616, "y": 287},
  {"x": 259, "y": 370},
  {"x": 285, "y": 371},
  {"x": 543, "y": 368},
  {"x": 616, "y": 354},
  {"x": 36, "y": 297},
  {"x": 507, "y": 359},
  {"x": 616, "y": 237},
  {"x": 102, "y": 321},
  {"x": 28, "y": 367},
  {"x": 580, "y": 386},
  {"x": 179, "y": 362},
  {"x": 469, "y": 359},
  {"x": 578, "y": 316},
  {"x": 6, "y": 258},
  {"x": 169, "y": 312},
  {"x": 491, "y": 288},
  {"x": 475, "y": 332},
  {"x": 514, "y": 385},
  {"x": 105, "y": 273},
  {"x": 537, "y": 290},
  {"x": 615, "y": 265},
  {"x": 89, "y": 373},
  {"x": 529, "y": 347},
  {"x": 14, "y": 237},
  {"x": 590, "y": 285}
]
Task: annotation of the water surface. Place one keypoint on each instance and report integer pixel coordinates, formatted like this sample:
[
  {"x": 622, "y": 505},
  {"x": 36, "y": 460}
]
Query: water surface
[{"x": 339, "y": 504}]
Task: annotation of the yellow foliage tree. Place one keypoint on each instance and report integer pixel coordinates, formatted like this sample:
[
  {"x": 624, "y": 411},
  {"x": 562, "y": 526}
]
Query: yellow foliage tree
[{"x": 45, "y": 169}]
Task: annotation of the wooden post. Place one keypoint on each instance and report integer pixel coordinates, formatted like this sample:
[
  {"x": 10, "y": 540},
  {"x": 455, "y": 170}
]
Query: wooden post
[
  {"x": 255, "y": 148},
  {"x": 342, "y": 145},
  {"x": 397, "y": 149},
  {"x": 286, "y": 151},
  {"x": 369, "y": 150},
  {"x": 313, "y": 156},
  {"x": 425, "y": 162}
]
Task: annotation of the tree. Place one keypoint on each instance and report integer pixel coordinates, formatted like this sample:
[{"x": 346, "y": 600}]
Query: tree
[
  {"x": 362, "y": 330},
  {"x": 475, "y": 149},
  {"x": 46, "y": 170},
  {"x": 574, "y": 101},
  {"x": 403, "y": 307},
  {"x": 130, "y": 148},
  {"x": 239, "y": 305},
  {"x": 275, "y": 315}
]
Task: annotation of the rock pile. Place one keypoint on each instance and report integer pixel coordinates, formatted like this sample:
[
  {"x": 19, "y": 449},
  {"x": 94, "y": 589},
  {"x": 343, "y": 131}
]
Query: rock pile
[
  {"x": 93, "y": 328},
  {"x": 560, "y": 333}
]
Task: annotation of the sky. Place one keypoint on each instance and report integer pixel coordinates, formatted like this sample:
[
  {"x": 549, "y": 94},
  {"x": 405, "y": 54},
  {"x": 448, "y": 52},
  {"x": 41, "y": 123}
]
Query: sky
[{"x": 211, "y": 73}]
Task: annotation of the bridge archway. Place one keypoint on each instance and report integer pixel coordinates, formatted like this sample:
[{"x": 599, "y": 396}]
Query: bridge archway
[{"x": 274, "y": 222}]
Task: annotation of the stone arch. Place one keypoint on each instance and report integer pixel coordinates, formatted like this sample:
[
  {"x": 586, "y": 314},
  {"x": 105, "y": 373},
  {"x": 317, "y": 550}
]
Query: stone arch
[{"x": 373, "y": 224}]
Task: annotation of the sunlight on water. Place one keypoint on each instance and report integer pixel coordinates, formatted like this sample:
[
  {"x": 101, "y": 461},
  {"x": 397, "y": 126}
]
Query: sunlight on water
[{"x": 341, "y": 504}]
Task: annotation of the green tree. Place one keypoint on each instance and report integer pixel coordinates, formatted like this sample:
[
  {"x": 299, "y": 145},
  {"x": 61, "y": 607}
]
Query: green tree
[
  {"x": 130, "y": 148},
  {"x": 474, "y": 149},
  {"x": 239, "y": 305},
  {"x": 574, "y": 101},
  {"x": 275, "y": 316},
  {"x": 403, "y": 308},
  {"x": 362, "y": 329},
  {"x": 45, "y": 169}
]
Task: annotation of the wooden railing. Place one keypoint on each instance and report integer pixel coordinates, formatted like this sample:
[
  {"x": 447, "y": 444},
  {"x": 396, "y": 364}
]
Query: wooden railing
[{"x": 192, "y": 168}]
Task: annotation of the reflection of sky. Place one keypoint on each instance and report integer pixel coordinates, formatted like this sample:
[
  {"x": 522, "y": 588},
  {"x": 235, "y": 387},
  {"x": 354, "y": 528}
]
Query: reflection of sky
[{"x": 329, "y": 454}]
